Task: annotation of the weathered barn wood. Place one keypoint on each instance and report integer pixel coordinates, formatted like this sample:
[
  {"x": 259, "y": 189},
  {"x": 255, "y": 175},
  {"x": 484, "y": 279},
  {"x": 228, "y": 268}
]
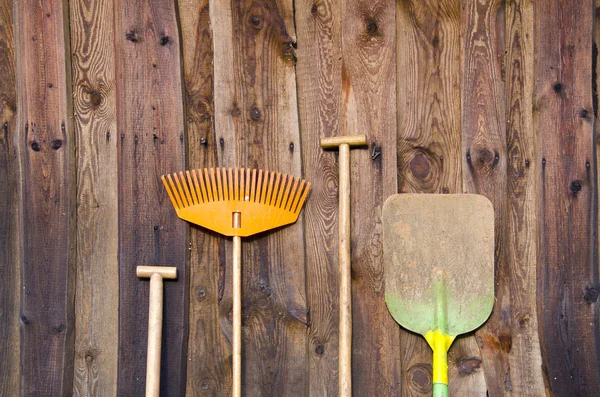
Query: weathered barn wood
[
  {"x": 484, "y": 164},
  {"x": 95, "y": 124},
  {"x": 319, "y": 102},
  {"x": 497, "y": 98},
  {"x": 256, "y": 44},
  {"x": 568, "y": 268},
  {"x": 9, "y": 201},
  {"x": 429, "y": 153},
  {"x": 209, "y": 368},
  {"x": 151, "y": 142},
  {"x": 369, "y": 106},
  {"x": 46, "y": 149},
  {"x": 522, "y": 213}
]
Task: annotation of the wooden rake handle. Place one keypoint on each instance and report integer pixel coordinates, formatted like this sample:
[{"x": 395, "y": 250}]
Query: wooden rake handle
[
  {"x": 155, "y": 314},
  {"x": 345, "y": 293},
  {"x": 236, "y": 388}
]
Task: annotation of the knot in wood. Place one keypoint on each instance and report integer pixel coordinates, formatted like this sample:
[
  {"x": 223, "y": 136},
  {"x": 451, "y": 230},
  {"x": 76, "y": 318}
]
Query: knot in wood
[{"x": 420, "y": 378}]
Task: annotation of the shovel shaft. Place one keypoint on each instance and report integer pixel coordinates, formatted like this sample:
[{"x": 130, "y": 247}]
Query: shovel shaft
[
  {"x": 236, "y": 389},
  {"x": 345, "y": 343},
  {"x": 440, "y": 390},
  {"x": 154, "y": 336}
]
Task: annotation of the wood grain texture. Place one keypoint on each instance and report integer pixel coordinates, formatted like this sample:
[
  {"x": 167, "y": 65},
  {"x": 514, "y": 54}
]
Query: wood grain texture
[
  {"x": 523, "y": 191},
  {"x": 485, "y": 162},
  {"x": 9, "y": 214},
  {"x": 209, "y": 368},
  {"x": 151, "y": 142},
  {"x": 95, "y": 123},
  {"x": 46, "y": 149},
  {"x": 568, "y": 270},
  {"x": 253, "y": 40},
  {"x": 429, "y": 158},
  {"x": 318, "y": 69},
  {"x": 369, "y": 106}
]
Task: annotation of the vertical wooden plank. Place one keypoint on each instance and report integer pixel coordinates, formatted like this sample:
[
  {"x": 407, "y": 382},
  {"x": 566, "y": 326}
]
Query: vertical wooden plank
[
  {"x": 208, "y": 370},
  {"x": 523, "y": 187},
  {"x": 369, "y": 106},
  {"x": 429, "y": 153},
  {"x": 97, "y": 292},
  {"x": 318, "y": 70},
  {"x": 254, "y": 71},
  {"x": 484, "y": 164},
  {"x": 150, "y": 127},
  {"x": 568, "y": 271},
  {"x": 46, "y": 150},
  {"x": 9, "y": 215}
]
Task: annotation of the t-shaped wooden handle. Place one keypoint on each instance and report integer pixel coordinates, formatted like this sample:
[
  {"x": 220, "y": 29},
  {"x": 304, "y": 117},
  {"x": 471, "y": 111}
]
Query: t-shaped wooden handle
[
  {"x": 345, "y": 333},
  {"x": 350, "y": 140},
  {"x": 156, "y": 275}
]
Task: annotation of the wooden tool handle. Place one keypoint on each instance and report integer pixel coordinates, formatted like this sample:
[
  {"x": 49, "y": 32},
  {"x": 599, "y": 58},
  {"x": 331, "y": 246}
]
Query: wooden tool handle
[
  {"x": 236, "y": 389},
  {"x": 237, "y": 317},
  {"x": 345, "y": 342},
  {"x": 154, "y": 336}
]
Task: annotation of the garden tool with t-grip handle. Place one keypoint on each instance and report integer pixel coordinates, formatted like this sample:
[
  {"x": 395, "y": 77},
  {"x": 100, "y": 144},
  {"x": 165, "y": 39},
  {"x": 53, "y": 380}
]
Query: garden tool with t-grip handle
[
  {"x": 343, "y": 144},
  {"x": 156, "y": 274},
  {"x": 236, "y": 202},
  {"x": 438, "y": 253}
]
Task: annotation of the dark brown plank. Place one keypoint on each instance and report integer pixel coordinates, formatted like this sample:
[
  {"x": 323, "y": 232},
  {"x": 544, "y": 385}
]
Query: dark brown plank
[
  {"x": 95, "y": 123},
  {"x": 429, "y": 153},
  {"x": 46, "y": 149},
  {"x": 151, "y": 142},
  {"x": 208, "y": 370},
  {"x": 319, "y": 102},
  {"x": 369, "y": 106},
  {"x": 484, "y": 164},
  {"x": 256, "y": 125},
  {"x": 568, "y": 270},
  {"x": 523, "y": 187},
  {"x": 9, "y": 201}
]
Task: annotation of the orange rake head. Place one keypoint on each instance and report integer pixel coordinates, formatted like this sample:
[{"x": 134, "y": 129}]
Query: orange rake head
[{"x": 210, "y": 198}]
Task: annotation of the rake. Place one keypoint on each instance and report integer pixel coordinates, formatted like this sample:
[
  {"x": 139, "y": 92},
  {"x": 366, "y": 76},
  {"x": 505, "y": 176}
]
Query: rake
[{"x": 236, "y": 202}]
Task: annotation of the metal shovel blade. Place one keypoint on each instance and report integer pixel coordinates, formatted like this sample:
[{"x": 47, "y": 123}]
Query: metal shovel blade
[{"x": 439, "y": 261}]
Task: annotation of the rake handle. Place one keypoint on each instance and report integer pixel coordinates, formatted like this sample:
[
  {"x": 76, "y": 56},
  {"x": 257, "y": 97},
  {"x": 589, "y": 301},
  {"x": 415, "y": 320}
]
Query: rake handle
[{"x": 236, "y": 388}]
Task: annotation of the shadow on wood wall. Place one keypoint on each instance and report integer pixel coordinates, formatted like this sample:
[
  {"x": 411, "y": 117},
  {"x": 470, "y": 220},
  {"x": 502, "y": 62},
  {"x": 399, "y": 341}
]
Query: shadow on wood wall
[{"x": 101, "y": 97}]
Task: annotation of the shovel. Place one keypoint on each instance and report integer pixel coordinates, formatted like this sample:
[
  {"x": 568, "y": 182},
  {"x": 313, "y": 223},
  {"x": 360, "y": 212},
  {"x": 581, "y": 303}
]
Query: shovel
[{"x": 439, "y": 268}]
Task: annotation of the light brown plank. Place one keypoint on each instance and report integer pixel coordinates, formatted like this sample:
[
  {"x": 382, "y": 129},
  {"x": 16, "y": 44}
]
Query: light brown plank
[
  {"x": 369, "y": 106},
  {"x": 208, "y": 370},
  {"x": 484, "y": 165},
  {"x": 255, "y": 84},
  {"x": 429, "y": 152},
  {"x": 523, "y": 175},
  {"x": 46, "y": 150},
  {"x": 150, "y": 123},
  {"x": 568, "y": 269},
  {"x": 97, "y": 291},
  {"x": 9, "y": 216},
  {"x": 318, "y": 70}
]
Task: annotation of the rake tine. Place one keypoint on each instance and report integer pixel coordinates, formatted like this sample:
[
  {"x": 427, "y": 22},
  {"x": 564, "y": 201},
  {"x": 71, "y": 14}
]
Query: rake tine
[
  {"x": 197, "y": 187},
  {"x": 180, "y": 190},
  {"x": 297, "y": 198},
  {"x": 210, "y": 182},
  {"x": 286, "y": 193},
  {"x": 175, "y": 204},
  {"x": 188, "y": 196},
  {"x": 288, "y": 205}
]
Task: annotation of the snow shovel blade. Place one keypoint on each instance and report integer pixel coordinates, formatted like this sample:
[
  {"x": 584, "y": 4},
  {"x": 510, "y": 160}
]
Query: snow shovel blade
[{"x": 439, "y": 265}]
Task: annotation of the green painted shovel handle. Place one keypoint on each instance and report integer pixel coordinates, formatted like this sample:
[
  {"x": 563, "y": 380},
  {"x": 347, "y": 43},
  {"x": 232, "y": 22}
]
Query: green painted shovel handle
[{"x": 440, "y": 390}]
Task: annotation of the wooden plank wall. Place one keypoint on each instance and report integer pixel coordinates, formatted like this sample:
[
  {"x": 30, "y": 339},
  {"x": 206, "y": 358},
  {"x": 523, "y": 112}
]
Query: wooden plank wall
[{"x": 98, "y": 98}]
